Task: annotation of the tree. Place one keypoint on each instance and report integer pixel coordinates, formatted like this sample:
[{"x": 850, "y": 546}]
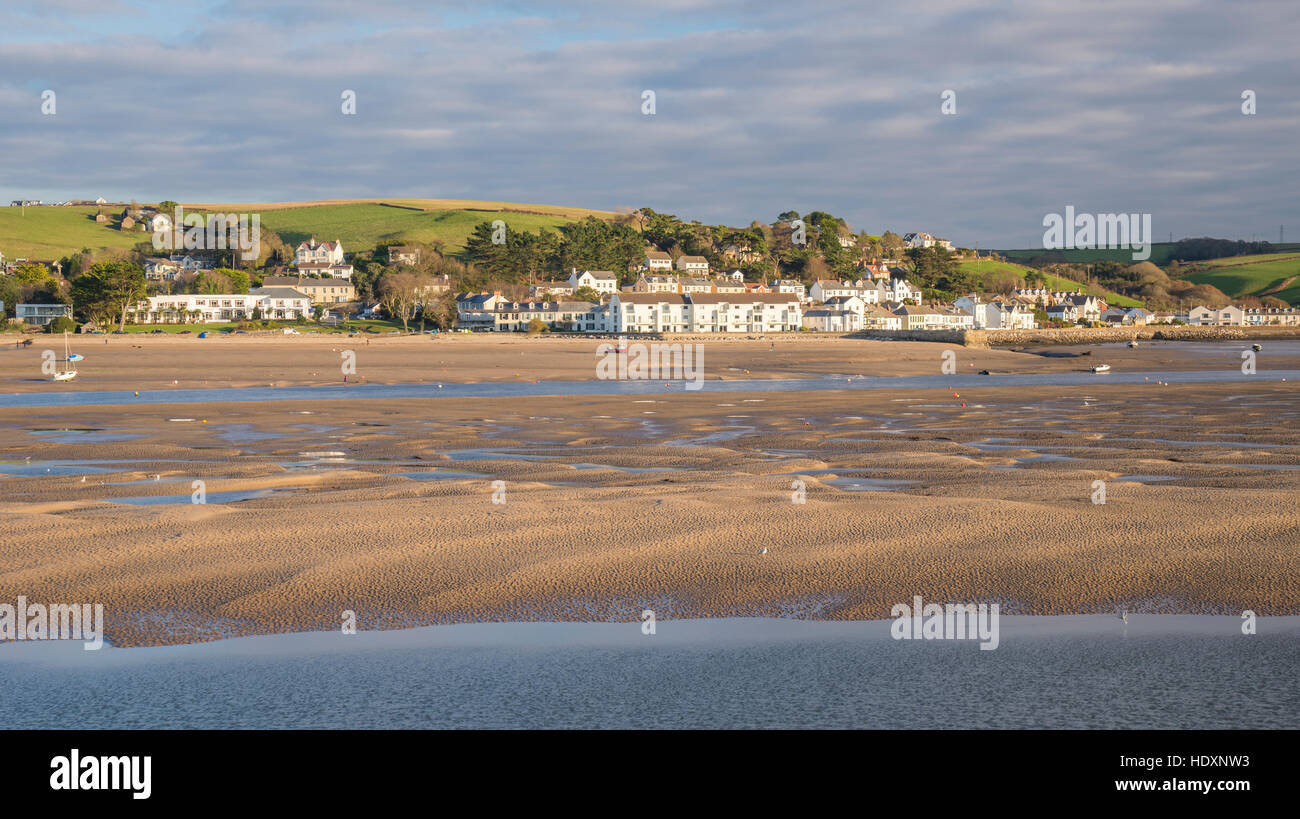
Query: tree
[
  {"x": 107, "y": 290},
  {"x": 32, "y": 274},
  {"x": 222, "y": 280},
  {"x": 536, "y": 326},
  {"x": 585, "y": 293},
  {"x": 400, "y": 295},
  {"x": 61, "y": 324}
]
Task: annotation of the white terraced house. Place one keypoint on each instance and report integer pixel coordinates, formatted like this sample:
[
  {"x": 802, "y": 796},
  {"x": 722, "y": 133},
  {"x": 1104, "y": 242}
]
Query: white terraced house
[
  {"x": 703, "y": 313},
  {"x": 744, "y": 313},
  {"x": 871, "y": 292},
  {"x": 274, "y": 302},
  {"x": 313, "y": 251},
  {"x": 1284, "y": 316},
  {"x": 648, "y": 313}
]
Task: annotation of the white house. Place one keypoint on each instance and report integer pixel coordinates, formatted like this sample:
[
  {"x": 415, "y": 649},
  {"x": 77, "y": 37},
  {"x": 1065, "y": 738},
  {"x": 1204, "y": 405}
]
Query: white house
[
  {"x": 744, "y": 313},
  {"x": 602, "y": 281},
  {"x": 922, "y": 239},
  {"x": 648, "y": 313},
  {"x": 327, "y": 269},
  {"x": 832, "y": 321},
  {"x": 694, "y": 284},
  {"x": 657, "y": 260},
  {"x": 320, "y": 252},
  {"x": 695, "y": 265}
]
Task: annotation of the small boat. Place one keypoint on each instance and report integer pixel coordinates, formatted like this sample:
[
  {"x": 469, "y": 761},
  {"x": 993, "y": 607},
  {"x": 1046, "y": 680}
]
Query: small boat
[
  {"x": 1101, "y": 368},
  {"x": 1132, "y": 344},
  {"x": 1256, "y": 347},
  {"x": 68, "y": 374}
]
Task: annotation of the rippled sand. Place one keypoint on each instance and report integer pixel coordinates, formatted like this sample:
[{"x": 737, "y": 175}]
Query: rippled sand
[{"x": 988, "y": 502}]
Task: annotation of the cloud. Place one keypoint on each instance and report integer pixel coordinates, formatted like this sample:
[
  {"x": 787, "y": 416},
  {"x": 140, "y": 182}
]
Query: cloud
[{"x": 1113, "y": 106}]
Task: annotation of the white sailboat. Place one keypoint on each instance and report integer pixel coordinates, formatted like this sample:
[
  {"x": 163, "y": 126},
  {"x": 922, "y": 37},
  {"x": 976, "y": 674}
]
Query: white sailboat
[{"x": 68, "y": 373}]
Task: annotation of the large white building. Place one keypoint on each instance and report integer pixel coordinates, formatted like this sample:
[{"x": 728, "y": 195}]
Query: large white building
[
  {"x": 273, "y": 302},
  {"x": 703, "y": 313}
]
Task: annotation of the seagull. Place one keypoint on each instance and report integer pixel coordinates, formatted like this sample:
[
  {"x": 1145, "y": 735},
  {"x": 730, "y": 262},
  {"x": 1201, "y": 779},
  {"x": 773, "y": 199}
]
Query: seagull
[
  {"x": 157, "y": 477},
  {"x": 83, "y": 478},
  {"x": 1123, "y": 615},
  {"x": 764, "y": 551}
]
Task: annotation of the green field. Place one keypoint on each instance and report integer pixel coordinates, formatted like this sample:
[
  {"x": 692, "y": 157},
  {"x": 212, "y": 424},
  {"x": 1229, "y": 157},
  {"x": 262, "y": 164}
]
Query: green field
[
  {"x": 1239, "y": 276},
  {"x": 1161, "y": 254},
  {"x": 987, "y": 267},
  {"x": 54, "y": 232},
  {"x": 362, "y": 226}
]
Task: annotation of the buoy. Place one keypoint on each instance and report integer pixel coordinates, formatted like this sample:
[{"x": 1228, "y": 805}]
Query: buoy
[
  {"x": 137, "y": 393},
  {"x": 963, "y": 403}
]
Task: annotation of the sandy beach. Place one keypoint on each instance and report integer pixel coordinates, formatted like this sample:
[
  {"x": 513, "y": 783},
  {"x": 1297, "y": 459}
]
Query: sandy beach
[{"x": 616, "y": 503}]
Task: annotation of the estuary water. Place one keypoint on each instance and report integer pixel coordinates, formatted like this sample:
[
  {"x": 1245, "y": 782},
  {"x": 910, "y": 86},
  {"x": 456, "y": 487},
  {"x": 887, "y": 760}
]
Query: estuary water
[
  {"x": 1085, "y": 671},
  {"x": 513, "y": 389}
]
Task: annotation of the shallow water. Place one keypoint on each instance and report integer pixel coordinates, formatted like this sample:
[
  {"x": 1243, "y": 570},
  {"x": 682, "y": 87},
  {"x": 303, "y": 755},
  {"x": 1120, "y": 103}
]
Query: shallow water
[
  {"x": 565, "y": 388},
  {"x": 1048, "y": 672}
]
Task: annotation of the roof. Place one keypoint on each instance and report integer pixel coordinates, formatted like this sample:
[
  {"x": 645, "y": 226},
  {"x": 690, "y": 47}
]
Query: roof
[
  {"x": 658, "y": 255},
  {"x": 278, "y": 293},
  {"x": 692, "y": 260},
  {"x": 651, "y": 298},
  {"x": 598, "y": 274},
  {"x": 742, "y": 298}
]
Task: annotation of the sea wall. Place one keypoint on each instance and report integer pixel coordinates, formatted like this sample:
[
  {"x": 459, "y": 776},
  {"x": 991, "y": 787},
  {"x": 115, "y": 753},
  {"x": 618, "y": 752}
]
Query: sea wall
[{"x": 1083, "y": 335}]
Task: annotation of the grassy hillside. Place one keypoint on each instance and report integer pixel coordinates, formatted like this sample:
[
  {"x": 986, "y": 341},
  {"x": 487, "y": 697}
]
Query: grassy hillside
[
  {"x": 1161, "y": 253},
  {"x": 1274, "y": 275},
  {"x": 985, "y": 268},
  {"x": 362, "y": 226},
  {"x": 53, "y": 232}
]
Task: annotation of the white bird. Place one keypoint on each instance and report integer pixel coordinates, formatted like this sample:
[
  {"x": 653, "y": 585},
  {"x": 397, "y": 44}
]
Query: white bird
[
  {"x": 1123, "y": 615},
  {"x": 83, "y": 478},
  {"x": 764, "y": 551},
  {"x": 157, "y": 477}
]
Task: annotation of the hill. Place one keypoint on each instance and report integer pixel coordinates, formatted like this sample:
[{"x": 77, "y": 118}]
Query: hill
[
  {"x": 1161, "y": 253},
  {"x": 987, "y": 270},
  {"x": 54, "y": 232},
  {"x": 1276, "y": 275}
]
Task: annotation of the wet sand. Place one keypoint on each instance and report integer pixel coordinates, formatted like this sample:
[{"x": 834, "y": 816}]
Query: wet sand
[
  {"x": 135, "y": 362},
  {"x": 906, "y": 492}
]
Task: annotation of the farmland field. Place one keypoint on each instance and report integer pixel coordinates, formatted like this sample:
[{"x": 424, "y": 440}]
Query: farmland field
[
  {"x": 987, "y": 267},
  {"x": 1253, "y": 276},
  {"x": 54, "y": 232}
]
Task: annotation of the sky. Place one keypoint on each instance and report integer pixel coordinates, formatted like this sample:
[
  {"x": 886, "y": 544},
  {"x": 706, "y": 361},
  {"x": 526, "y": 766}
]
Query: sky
[{"x": 1107, "y": 106}]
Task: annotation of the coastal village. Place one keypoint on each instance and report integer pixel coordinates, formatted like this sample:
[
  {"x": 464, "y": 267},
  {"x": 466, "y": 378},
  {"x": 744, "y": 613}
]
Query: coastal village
[{"x": 661, "y": 293}]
